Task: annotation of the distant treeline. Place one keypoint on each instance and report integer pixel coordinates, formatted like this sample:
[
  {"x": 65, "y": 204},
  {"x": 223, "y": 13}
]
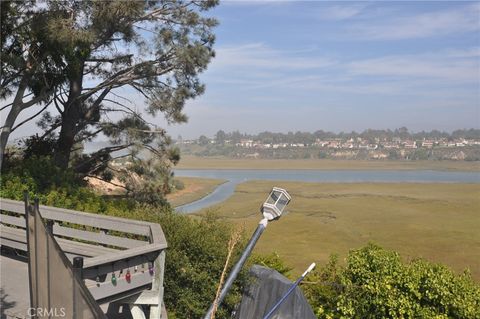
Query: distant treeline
[{"x": 369, "y": 134}]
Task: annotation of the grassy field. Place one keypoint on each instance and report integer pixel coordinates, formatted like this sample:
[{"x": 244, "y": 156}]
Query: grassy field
[
  {"x": 192, "y": 162},
  {"x": 440, "y": 222},
  {"x": 195, "y": 188}
]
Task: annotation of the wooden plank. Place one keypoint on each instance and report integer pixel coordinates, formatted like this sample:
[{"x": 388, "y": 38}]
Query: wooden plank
[
  {"x": 58, "y": 230},
  {"x": 107, "y": 289},
  {"x": 101, "y": 238},
  {"x": 95, "y": 220},
  {"x": 146, "y": 297},
  {"x": 16, "y": 234},
  {"x": 156, "y": 234},
  {"x": 141, "y": 261},
  {"x": 68, "y": 246},
  {"x": 12, "y": 206},
  {"x": 124, "y": 254},
  {"x": 83, "y": 249},
  {"x": 82, "y": 218},
  {"x": 13, "y": 244},
  {"x": 12, "y": 220}
]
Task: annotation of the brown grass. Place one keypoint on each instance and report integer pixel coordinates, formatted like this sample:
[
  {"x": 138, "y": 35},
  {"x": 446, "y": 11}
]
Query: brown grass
[{"x": 195, "y": 188}]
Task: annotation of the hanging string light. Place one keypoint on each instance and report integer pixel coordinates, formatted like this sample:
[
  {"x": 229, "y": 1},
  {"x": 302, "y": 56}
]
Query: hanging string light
[
  {"x": 128, "y": 277},
  {"x": 114, "y": 279}
]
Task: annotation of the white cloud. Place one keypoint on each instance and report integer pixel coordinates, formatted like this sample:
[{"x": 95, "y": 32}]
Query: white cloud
[
  {"x": 342, "y": 12},
  {"x": 466, "y": 53},
  {"x": 439, "y": 66},
  {"x": 258, "y": 55},
  {"x": 464, "y": 18}
]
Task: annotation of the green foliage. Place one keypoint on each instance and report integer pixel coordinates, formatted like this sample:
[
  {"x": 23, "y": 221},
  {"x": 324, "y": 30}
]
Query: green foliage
[
  {"x": 196, "y": 257},
  {"x": 272, "y": 261},
  {"x": 54, "y": 187},
  {"x": 197, "y": 250},
  {"x": 375, "y": 283},
  {"x": 38, "y": 174},
  {"x": 178, "y": 184}
]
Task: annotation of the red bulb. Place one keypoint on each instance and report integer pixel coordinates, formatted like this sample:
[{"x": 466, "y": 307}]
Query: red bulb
[{"x": 128, "y": 277}]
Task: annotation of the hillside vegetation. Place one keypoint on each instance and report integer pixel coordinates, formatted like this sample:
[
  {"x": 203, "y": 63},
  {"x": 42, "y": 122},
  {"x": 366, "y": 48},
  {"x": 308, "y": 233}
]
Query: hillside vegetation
[{"x": 371, "y": 283}]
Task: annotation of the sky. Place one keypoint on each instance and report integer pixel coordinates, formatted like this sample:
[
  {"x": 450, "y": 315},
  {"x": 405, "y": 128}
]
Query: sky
[{"x": 339, "y": 66}]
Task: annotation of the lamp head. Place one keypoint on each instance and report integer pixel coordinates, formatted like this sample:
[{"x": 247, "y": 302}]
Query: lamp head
[{"x": 275, "y": 204}]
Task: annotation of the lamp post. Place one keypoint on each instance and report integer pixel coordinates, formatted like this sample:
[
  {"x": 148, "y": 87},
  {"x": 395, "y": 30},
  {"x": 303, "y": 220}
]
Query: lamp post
[{"x": 271, "y": 209}]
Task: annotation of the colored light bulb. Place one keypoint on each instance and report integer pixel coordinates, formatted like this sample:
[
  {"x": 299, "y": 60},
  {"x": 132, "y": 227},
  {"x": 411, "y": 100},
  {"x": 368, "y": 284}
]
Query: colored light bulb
[
  {"x": 151, "y": 269},
  {"x": 128, "y": 276},
  {"x": 114, "y": 279},
  {"x": 135, "y": 268}
]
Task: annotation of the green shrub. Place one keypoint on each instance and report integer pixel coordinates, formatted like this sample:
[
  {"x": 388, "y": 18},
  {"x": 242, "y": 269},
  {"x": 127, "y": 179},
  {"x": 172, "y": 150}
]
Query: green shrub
[
  {"x": 178, "y": 184},
  {"x": 375, "y": 283},
  {"x": 272, "y": 261},
  {"x": 195, "y": 260}
]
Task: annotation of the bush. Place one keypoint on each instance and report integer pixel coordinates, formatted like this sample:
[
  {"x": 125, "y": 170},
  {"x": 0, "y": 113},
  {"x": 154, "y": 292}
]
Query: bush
[
  {"x": 375, "y": 283},
  {"x": 195, "y": 259},
  {"x": 178, "y": 184}
]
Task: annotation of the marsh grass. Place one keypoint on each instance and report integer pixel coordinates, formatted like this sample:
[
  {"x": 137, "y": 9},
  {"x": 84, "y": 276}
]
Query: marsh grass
[{"x": 439, "y": 222}]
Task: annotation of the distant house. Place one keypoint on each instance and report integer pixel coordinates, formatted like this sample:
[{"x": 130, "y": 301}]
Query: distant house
[
  {"x": 460, "y": 143},
  {"x": 245, "y": 143},
  {"x": 363, "y": 146},
  {"x": 321, "y": 143},
  {"x": 389, "y": 145},
  {"x": 333, "y": 144},
  {"x": 427, "y": 144},
  {"x": 410, "y": 144}
]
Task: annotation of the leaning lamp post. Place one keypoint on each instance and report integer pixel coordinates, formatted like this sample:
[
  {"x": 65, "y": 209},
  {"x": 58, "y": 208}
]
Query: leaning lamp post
[{"x": 271, "y": 209}]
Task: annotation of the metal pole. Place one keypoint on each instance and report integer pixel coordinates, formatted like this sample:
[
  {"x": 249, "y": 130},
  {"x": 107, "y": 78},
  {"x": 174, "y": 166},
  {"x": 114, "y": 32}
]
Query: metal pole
[
  {"x": 289, "y": 291},
  {"x": 238, "y": 266}
]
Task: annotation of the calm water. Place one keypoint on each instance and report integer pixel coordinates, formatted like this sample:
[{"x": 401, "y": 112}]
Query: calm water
[{"x": 235, "y": 177}]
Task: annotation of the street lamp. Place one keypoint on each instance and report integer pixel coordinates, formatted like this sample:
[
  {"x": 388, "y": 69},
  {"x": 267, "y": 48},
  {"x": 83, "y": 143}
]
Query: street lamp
[
  {"x": 271, "y": 209},
  {"x": 276, "y": 202}
]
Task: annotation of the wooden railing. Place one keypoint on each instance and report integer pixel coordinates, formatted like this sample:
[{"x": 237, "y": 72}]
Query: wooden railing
[{"x": 110, "y": 246}]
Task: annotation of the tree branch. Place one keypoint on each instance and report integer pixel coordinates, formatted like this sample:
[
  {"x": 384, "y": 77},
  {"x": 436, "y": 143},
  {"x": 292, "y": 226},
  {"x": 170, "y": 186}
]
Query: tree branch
[
  {"x": 104, "y": 180},
  {"x": 31, "y": 117}
]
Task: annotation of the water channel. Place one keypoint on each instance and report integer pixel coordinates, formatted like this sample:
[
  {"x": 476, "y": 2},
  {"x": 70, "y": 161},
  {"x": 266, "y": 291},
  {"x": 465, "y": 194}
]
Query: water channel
[{"x": 235, "y": 177}]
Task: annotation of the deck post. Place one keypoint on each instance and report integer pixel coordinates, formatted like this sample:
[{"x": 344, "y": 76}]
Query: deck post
[
  {"x": 77, "y": 272},
  {"x": 137, "y": 312},
  {"x": 157, "y": 285}
]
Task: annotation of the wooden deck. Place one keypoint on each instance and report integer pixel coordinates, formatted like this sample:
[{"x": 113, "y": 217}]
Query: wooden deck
[{"x": 108, "y": 245}]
